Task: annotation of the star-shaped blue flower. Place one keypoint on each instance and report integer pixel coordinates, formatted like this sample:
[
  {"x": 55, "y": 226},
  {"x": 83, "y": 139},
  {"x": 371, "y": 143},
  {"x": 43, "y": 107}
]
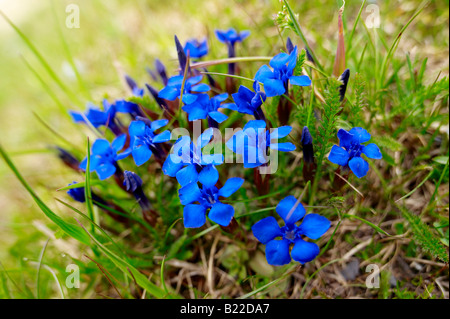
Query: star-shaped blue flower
[
  {"x": 204, "y": 107},
  {"x": 277, "y": 250},
  {"x": 187, "y": 160},
  {"x": 231, "y": 36},
  {"x": 276, "y": 82},
  {"x": 194, "y": 215},
  {"x": 350, "y": 149},
  {"x": 196, "y": 48},
  {"x": 144, "y": 139},
  {"x": 104, "y": 156},
  {"x": 249, "y": 102},
  {"x": 192, "y": 85},
  {"x": 96, "y": 116},
  {"x": 254, "y": 141}
]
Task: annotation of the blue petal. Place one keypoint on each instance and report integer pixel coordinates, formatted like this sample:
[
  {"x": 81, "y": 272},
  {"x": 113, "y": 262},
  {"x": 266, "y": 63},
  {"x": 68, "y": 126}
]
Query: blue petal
[
  {"x": 274, "y": 87},
  {"x": 189, "y": 193},
  {"x": 231, "y": 186},
  {"x": 283, "y": 147},
  {"x": 236, "y": 142},
  {"x": 221, "y": 213},
  {"x": 105, "y": 170},
  {"x": 266, "y": 230},
  {"x": 277, "y": 252},
  {"x": 169, "y": 93},
  {"x": 137, "y": 128},
  {"x": 286, "y": 210},
  {"x": 304, "y": 251},
  {"x": 346, "y": 139},
  {"x": 158, "y": 124},
  {"x": 197, "y": 113},
  {"x": 212, "y": 159},
  {"x": 194, "y": 80},
  {"x": 208, "y": 176},
  {"x": 279, "y": 60},
  {"x": 100, "y": 147},
  {"x": 194, "y": 216},
  {"x": 119, "y": 143},
  {"x": 263, "y": 74},
  {"x": 189, "y": 98},
  {"x": 229, "y": 106},
  {"x": 176, "y": 81},
  {"x": 202, "y": 87},
  {"x": 172, "y": 165},
  {"x": 141, "y": 154},
  {"x": 314, "y": 226},
  {"x": 93, "y": 163},
  {"x": 76, "y": 116},
  {"x": 243, "y": 35},
  {"x": 280, "y": 132},
  {"x": 161, "y": 138},
  {"x": 217, "y": 116},
  {"x": 187, "y": 175},
  {"x": 372, "y": 151},
  {"x": 205, "y": 138},
  {"x": 338, "y": 156},
  {"x": 302, "y": 80},
  {"x": 361, "y": 134},
  {"x": 359, "y": 166}
]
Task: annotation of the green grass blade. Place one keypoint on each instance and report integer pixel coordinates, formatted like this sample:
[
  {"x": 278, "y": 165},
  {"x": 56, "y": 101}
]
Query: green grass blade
[{"x": 69, "y": 229}]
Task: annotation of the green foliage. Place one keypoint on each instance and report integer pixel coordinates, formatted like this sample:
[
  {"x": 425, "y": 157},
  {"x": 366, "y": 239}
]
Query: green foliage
[{"x": 424, "y": 236}]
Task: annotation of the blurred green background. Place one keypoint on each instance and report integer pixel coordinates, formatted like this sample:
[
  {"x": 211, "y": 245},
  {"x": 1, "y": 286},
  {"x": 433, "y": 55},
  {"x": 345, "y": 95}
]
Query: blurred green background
[{"x": 118, "y": 37}]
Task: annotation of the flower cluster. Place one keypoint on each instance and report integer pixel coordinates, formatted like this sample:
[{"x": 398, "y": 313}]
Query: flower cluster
[{"x": 201, "y": 191}]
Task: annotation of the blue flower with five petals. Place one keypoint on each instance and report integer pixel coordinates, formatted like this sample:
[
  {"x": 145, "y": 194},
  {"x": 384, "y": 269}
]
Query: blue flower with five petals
[
  {"x": 350, "y": 149},
  {"x": 249, "y": 102},
  {"x": 145, "y": 141},
  {"x": 187, "y": 159},
  {"x": 194, "y": 215},
  {"x": 231, "y": 36},
  {"x": 276, "y": 82},
  {"x": 254, "y": 142},
  {"x": 205, "y": 107},
  {"x": 192, "y": 85},
  {"x": 277, "y": 250},
  {"x": 196, "y": 48},
  {"x": 104, "y": 156}
]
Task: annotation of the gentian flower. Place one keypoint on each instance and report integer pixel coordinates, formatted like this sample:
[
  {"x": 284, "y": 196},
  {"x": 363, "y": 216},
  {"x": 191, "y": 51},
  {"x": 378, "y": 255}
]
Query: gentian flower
[
  {"x": 230, "y": 37},
  {"x": 204, "y": 107},
  {"x": 194, "y": 215},
  {"x": 348, "y": 153},
  {"x": 97, "y": 117},
  {"x": 254, "y": 141},
  {"x": 192, "y": 85},
  {"x": 344, "y": 79},
  {"x": 133, "y": 184},
  {"x": 104, "y": 156},
  {"x": 277, "y": 250},
  {"x": 144, "y": 139},
  {"x": 309, "y": 166},
  {"x": 250, "y": 102},
  {"x": 276, "y": 82},
  {"x": 77, "y": 193},
  {"x": 187, "y": 159},
  {"x": 196, "y": 48}
]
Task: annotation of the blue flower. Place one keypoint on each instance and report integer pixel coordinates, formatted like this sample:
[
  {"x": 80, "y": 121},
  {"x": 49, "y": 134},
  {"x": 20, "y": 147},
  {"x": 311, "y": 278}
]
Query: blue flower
[
  {"x": 276, "y": 82},
  {"x": 249, "y": 102},
  {"x": 204, "y": 107},
  {"x": 277, "y": 250},
  {"x": 95, "y": 115},
  {"x": 231, "y": 36},
  {"x": 144, "y": 139},
  {"x": 192, "y": 85},
  {"x": 104, "y": 156},
  {"x": 194, "y": 215},
  {"x": 254, "y": 141},
  {"x": 350, "y": 149},
  {"x": 187, "y": 159},
  {"x": 77, "y": 193},
  {"x": 196, "y": 48}
]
